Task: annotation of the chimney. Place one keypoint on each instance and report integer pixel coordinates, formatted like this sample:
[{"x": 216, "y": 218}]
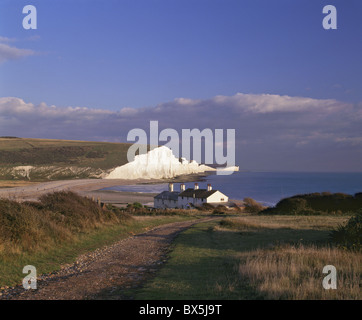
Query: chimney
[
  {"x": 196, "y": 186},
  {"x": 170, "y": 187},
  {"x": 182, "y": 187},
  {"x": 209, "y": 187}
]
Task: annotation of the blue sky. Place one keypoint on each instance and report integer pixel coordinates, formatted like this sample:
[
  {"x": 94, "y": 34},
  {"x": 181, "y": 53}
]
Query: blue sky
[
  {"x": 125, "y": 60},
  {"x": 137, "y": 53}
]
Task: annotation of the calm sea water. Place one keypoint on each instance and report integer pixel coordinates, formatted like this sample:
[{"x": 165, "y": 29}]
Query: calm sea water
[{"x": 266, "y": 187}]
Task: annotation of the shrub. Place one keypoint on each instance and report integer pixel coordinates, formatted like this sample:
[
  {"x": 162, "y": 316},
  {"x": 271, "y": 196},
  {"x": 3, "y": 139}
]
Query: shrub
[
  {"x": 137, "y": 205},
  {"x": 80, "y": 214},
  {"x": 317, "y": 204},
  {"x": 236, "y": 209},
  {"x": 349, "y": 236},
  {"x": 220, "y": 209},
  {"x": 252, "y": 206},
  {"x": 57, "y": 217},
  {"x": 205, "y": 207},
  {"x": 292, "y": 205},
  {"x": 25, "y": 227},
  {"x": 134, "y": 205}
]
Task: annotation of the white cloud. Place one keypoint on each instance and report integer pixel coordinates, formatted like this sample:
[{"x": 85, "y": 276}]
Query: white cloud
[
  {"x": 5, "y": 39},
  {"x": 269, "y": 103},
  {"x": 271, "y": 130},
  {"x": 351, "y": 140},
  {"x": 8, "y": 52},
  {"x": 12, "y": 53}
]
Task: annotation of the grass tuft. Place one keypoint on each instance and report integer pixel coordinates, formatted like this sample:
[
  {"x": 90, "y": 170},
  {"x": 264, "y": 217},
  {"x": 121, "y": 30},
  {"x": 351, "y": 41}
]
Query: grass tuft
[{"x": 295, "y": 272}]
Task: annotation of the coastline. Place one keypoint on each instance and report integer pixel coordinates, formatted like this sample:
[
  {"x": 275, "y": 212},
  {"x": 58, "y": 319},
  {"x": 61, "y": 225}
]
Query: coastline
[
  {"x": 92, "y": 188},
  {"x": 267, "y": 188},
  {"x": 122, "y": 198}
]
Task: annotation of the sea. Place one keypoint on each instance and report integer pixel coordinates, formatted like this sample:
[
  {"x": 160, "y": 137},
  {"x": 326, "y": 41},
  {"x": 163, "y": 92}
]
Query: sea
[{"x": 265, "y": 187}]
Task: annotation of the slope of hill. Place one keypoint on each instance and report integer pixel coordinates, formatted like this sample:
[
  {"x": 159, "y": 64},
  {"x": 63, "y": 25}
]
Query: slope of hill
[{"x": 43, "y": 159}]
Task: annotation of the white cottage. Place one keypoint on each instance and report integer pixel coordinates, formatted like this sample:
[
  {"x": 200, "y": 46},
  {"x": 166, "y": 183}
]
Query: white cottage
[
  {"x": 166, "y": 199},
  {"x": 197, "y": 197},
  {"x": 188, "y": 198}
]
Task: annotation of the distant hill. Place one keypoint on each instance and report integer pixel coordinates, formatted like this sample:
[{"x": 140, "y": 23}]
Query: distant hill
[
  {"x": 45, "y": 159},
  {"x": 317, "y": 204}
]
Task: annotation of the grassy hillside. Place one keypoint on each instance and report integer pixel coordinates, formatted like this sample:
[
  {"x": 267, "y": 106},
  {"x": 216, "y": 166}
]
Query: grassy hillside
[
  {"x": 56, "y": 230},
  {"x": 69, "y": 159}
]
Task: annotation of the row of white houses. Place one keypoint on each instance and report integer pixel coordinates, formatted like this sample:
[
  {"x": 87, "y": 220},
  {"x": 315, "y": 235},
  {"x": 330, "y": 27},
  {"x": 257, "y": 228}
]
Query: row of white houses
[{"x": 187, "y": 198}]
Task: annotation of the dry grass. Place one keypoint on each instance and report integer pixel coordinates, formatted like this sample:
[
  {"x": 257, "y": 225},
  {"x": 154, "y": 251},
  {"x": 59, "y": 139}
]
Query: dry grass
[
  {"x": 254, "y": 222},
  {"x": 252, "y": 206},
  {"x": 295, "y": 273},
  {"x": 253, "y": 257},
  {"x": 292, "y": 271},
  {"x": 241, "y": 224}
]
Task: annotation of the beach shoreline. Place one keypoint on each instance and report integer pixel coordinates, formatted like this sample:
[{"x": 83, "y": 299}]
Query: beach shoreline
[{"x": 93, "y": 188}]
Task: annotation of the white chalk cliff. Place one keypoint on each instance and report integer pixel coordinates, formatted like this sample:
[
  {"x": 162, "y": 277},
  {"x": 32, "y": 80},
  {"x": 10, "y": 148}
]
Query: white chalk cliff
[
  {"x": 232, "y": 168},
  {"x": 158, "y": 163}
]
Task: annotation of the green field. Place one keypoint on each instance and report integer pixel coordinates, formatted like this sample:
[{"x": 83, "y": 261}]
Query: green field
[
  {"x": 58, "y": 159},
  {"x": 256, "y": 257}
]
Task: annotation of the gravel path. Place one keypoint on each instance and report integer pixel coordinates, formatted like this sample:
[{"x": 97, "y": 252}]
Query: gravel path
[{"x": 105, "y": 273}]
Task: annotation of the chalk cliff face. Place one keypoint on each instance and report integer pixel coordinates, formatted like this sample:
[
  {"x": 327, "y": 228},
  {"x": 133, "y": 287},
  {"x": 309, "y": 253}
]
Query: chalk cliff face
[
  {"x": 49, "y": 173},
  {"x": 158, "y": 163}
]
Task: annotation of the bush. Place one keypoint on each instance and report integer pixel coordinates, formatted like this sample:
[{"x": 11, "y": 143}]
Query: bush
[
  {"x": 25, "y": 227},
  {"x": 220, "y": 209},
  {"x": 349, "y": 236},
  {"x": 57, "y": 217},
  {"x": 236, "y": 208},
  {"x": 252, "y": 206},
  {"x": 134, "y": 205},
  {"x": 80, "y": 214},
  {"x": 293, "y": 205},
  {"x": 205, "y": 207},
  {"x": 137, "y": 205},
  {"x": 317, "y": 204}
]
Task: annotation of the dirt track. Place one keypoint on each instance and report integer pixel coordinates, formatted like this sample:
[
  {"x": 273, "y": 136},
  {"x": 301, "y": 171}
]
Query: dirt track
[{"x": 106, "y": 272}]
